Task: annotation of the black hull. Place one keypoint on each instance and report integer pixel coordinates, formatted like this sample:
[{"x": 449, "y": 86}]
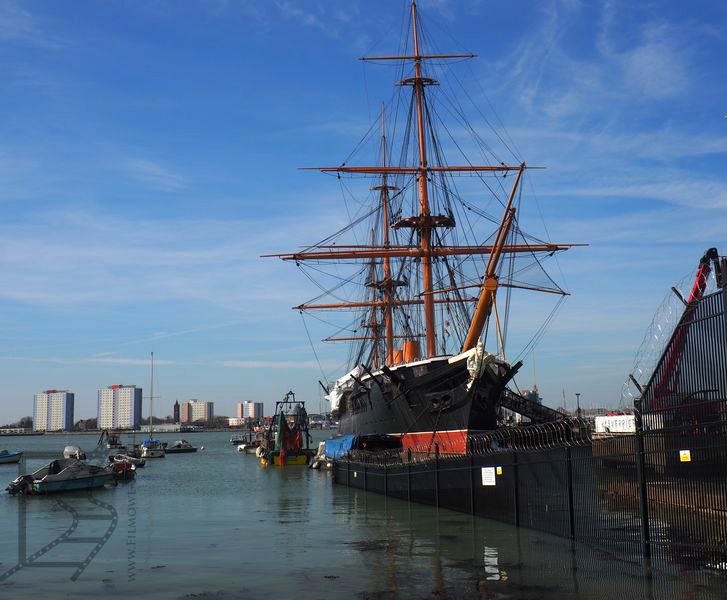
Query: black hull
[{"x": 430, "y": 396}]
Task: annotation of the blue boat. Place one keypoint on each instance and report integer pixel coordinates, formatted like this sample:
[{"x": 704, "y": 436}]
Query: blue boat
[
  {"x": 10, "y": 456},
  {"x": 61, "y": 475}
]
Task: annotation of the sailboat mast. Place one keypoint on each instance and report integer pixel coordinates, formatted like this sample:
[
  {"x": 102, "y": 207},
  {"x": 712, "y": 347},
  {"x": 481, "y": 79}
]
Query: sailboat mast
[
  {"x": 425, "y": 228},
  {"x": 151, "y": 399}
]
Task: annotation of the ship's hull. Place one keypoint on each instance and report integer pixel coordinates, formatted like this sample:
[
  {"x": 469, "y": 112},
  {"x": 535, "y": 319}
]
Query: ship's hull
[
  {"x": 435, "y": 395},
  {"x": 81, "y": 483}
]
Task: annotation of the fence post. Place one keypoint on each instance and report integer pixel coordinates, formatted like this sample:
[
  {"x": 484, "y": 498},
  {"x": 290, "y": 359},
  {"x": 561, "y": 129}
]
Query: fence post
[
  {"x": 366, "y": 483},
  {"x": 569, "y": 470},
  {"x": 472, "y": 484},
  {"x": 408, "y": 474},
  {"x": 386, "y": 478},
  {"x": 641, "y": 476},
  {"x": 436, "y": 474},
  {"x": 516, "y": 477}
]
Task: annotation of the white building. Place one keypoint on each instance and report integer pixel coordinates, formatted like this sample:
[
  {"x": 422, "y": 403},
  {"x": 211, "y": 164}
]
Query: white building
[
  {"x": 250, "y": 410},
  {"x": 235, "y": 421},
  {"x": 53, "y": 411},
  {"x": 119, "y": 407}
]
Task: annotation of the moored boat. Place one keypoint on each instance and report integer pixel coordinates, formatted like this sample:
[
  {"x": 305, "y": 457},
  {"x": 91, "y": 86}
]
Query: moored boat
[
  {"x": 133, "y": 460},
  {"x": 61, "y": 475},
  {"x": 152, "y": 448},
  {"x": 287, "y": 440},
  {"x": 179, "y": 447},
  {"x": 10, "y": 456}
]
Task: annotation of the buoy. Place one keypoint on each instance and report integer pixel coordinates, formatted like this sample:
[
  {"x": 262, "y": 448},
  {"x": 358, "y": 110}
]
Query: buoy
[{"x": 201, "y": 447}]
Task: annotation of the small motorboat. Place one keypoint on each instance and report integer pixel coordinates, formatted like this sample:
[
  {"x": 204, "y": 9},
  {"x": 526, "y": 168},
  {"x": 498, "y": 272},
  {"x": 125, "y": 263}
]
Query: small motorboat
[
  {"x": 10, "y": 456},
  {"x": 152, "y": 449},
  {"x": 132, "y": 460},
  {"x": 61, "y": 475},
  {"x": 179, "y": 447}
]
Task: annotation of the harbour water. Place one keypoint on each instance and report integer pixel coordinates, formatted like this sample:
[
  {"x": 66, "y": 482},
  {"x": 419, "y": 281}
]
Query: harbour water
[{"x": 214, "y": 524}]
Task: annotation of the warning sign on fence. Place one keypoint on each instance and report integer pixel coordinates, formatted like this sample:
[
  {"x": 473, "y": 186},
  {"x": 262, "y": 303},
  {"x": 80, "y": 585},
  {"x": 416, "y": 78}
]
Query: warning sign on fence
[
  {"x": 685, "y": 455},
  {"x": 488, "y": 476}
]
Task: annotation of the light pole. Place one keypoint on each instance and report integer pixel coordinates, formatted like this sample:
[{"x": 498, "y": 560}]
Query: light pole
[{"x": 578, "y": 405}]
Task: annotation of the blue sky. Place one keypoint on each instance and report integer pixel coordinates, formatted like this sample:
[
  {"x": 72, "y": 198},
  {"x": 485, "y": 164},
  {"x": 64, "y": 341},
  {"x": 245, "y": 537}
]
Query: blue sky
[{"x": 149, "y": 155}]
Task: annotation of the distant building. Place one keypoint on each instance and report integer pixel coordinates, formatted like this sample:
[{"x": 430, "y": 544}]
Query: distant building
[
  {"x": 194, "y": 411},
  {"x": 250, "y": 410},
  {"x": 235, "y": 421},
  {"x": 176, "y": 411},
  {"x": 119, "y": 407},
  {"x": 53, "y": 411}
]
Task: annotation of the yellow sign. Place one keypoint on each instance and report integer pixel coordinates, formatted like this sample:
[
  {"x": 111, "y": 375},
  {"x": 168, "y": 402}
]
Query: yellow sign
[
  {"x": 499, "y": 470},
  {"x": 685, "y": 455}
]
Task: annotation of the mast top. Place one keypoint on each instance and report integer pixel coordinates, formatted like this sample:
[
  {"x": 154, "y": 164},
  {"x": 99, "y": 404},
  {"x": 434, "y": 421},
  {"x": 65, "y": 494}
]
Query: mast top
[{"x": 417, "y": 56}]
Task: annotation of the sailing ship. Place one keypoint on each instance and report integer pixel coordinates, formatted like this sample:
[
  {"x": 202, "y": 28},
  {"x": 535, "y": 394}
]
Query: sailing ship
[{"x": 426, "y": 279}]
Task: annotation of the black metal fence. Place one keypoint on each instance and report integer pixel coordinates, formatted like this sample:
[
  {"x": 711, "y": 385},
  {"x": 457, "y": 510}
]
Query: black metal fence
[{"x": 602, "y": 491}]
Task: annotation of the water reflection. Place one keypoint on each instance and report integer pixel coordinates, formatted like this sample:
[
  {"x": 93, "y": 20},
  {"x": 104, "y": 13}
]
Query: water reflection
[{"x": 419, "y": 550}]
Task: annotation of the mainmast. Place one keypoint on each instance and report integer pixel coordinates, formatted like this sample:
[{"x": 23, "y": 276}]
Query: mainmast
[{"x": 425, "y": 223}]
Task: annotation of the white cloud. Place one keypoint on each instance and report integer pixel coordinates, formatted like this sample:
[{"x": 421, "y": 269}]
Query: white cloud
[
  {"x": 18, "y": 25},
  {"x": 155, "y": 175}
]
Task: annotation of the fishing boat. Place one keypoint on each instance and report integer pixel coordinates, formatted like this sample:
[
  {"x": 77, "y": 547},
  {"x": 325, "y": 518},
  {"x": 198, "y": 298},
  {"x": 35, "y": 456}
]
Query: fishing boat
[
  {"x": 61, "y": 475},
  {"x": 10, "y": 456},
  {"x": 179, "y": 447},
  {"x": 422, "y": 276},
  {"x": 286, "y": 440},
  {"x": 151, "y": 448}
]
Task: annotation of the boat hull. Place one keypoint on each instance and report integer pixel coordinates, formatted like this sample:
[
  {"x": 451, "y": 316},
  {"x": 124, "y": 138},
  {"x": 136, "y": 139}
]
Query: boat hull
[
  {"x": 10, "y": 458},
  {"x": 152, "y": 453},
  {"x": 301, "y": 460},
  {"x": 435, "y": 395},
  {"x": 82, "y": 483},
  {"x": 180, "y": 450}
]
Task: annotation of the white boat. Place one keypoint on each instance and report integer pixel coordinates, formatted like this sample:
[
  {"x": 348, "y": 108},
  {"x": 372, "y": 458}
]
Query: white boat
[
  {"x": 152, "y": 448},
  {"x": 10, "y": 456},
  {"x": 60, "y": 475}
]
